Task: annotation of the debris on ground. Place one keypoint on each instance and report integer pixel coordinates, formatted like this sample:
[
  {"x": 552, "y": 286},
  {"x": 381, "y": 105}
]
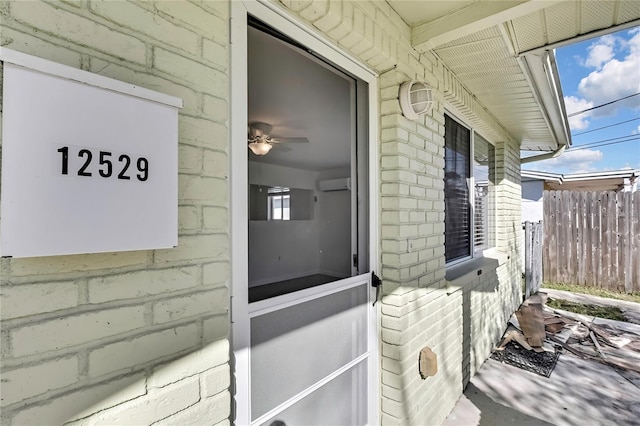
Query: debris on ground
[
  {"x": 537, "y": 334},
  {"x": 541, "y": 363},
  {"x": 532, "y": 322},
  {"x": 594, "y": 310}
]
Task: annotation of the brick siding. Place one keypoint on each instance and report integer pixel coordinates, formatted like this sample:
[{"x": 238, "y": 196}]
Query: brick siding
[
  {"x": 420, "y": 308},
  {"x": 102, "y": 338},
  {"x": 133, "y": 337}
]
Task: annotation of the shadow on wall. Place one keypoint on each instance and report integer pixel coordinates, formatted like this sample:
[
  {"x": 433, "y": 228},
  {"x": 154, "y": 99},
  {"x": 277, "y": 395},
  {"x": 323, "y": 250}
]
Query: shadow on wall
[
  {"x": 488, "y": 301},
  {"x": 476, "y": 310},
  {"x": 462, "y": 324},
  {"x": 188, "y": 390}
]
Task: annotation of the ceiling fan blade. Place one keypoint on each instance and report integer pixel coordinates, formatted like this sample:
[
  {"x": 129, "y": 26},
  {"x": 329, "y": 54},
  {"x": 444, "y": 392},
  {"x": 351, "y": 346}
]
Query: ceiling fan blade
[{"x": 289, "y": 140}]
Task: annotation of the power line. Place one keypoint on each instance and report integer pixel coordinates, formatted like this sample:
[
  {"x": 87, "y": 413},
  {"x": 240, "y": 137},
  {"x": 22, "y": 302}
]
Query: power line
[
  {"x": 606, "y": 127},
  {"x": 604, "y": 144},
  {"x": 604, "y": 140},
  {"x": 603, "y": 105}
]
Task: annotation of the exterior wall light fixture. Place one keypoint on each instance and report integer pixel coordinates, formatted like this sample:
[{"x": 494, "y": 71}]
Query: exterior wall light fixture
[{"x": 415, "y": 99}]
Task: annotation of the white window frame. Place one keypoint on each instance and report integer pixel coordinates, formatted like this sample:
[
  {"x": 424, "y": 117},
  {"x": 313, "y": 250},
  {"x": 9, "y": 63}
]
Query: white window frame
[
  {"x": 281, "y": 193},
  {"x": 491, "y": 225},
  {"x": 472, "y": 198}
]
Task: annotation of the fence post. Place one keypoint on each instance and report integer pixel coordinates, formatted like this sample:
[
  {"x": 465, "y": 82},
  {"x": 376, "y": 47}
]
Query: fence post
[
  {"x": 532, "y": 258},
  {"x": 527, "y": 259},
  {"x": 536, "y": 248}
]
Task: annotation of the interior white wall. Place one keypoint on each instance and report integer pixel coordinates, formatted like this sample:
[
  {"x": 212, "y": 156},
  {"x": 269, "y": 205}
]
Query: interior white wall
[
  {"x": 335, "y": 233},
  {"x": 335, "y": 226},
  {"x": 281, "y": 250},
  {"x": 274, "y": 175},
  {"x": 335, "y": 173}
]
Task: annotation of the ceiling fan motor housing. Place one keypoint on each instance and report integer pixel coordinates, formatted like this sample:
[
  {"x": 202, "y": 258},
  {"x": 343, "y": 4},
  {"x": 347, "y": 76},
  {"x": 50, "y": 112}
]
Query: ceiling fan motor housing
[
  {"x": 258, "y": 130},
  {"x": 259, "y": 138}
]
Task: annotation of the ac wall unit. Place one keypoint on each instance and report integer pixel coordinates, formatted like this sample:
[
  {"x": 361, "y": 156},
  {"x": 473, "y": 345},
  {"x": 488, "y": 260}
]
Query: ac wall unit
[{"x": 342, "y": 184}]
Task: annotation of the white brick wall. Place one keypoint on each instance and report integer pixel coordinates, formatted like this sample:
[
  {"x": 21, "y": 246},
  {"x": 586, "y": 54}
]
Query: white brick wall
[
  {"x": 53, "y": 20},
  {"x": 73, "y": 330},
  {"x": 158, "y": 404},
  {"x": 25, "y": 382},
  {"x": 419, "y": 308},
  {"x": 140, "y": 350},
  {"x": 139, "y": 284},
  {"x": 43, "y": 298},
  {"x": 80, "y": 403},
  {"x": 141, "y": 337},
  {"x": 132, "y": 337}
]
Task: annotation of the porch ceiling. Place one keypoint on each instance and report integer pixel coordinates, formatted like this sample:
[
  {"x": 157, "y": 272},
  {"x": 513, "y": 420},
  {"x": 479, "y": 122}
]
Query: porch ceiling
[{"x": 502, "y": 52}]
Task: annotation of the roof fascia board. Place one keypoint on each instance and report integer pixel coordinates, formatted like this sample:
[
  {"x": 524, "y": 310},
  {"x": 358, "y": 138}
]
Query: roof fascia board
[
  {"x": 542, "y": 75},
  {"x": 582, "y": 37},
  {"x": 577, "y": 177},
  {"x": 529, "y": 174},
  {"x": 471, "y": 19},
  {"x": 618, "y": 174}
]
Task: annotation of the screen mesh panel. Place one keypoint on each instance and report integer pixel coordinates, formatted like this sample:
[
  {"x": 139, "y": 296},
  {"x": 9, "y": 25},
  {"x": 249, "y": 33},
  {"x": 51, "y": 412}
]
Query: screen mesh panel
[
  {"x": 294, "y": 348},
  {"x": 312, "y": 410}
]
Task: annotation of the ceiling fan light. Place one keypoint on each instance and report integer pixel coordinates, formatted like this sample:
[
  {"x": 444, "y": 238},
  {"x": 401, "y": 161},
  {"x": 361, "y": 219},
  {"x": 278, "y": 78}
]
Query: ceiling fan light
[{"x": 260, "y": 148}]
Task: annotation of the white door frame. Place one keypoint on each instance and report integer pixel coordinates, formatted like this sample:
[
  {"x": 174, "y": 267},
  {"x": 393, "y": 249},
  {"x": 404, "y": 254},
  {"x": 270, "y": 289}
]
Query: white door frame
[{"x": 276, "y": 17}]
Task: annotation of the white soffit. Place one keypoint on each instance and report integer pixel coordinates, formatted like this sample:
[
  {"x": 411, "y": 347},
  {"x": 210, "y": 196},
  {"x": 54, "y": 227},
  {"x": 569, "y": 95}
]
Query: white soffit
[
  {"x": 486, "y": 54},
  {"x": 485, "y": 65}
]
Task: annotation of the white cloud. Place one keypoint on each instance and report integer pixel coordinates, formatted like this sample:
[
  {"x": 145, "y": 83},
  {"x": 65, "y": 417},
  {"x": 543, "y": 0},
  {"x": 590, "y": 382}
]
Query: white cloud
[
  {"x": 634, "y": 44},
  {"x": 582, "y": 161},
  {"x": 636, "y": 131},
  {"x": 615, "y": 78},
  {"x": 601, "y": 51},
  {"x": 573, "y": 104}
]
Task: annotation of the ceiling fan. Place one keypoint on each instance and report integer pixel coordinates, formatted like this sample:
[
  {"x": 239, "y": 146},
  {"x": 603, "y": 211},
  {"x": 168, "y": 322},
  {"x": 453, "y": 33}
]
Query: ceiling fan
[{"x": 260, "y": 140}]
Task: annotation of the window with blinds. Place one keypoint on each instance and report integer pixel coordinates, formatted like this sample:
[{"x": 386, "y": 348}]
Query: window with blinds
[
  {"x": 457, "y": 172},
  {"x": 468, "y": 187},
  {"x": 483, "y": 215}
]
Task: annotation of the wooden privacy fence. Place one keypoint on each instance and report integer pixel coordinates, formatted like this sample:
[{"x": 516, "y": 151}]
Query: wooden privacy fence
[{"x": 592, "y": 239}]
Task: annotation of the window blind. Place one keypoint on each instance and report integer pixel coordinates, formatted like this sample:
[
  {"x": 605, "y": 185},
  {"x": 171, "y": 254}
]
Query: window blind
[
  {"x": 457, "y": 173},
  {"x": 483, "y": 158}
]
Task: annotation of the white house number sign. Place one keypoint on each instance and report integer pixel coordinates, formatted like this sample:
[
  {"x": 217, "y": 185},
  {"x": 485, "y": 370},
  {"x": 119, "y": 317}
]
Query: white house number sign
[{"x": 89, "y": 164}]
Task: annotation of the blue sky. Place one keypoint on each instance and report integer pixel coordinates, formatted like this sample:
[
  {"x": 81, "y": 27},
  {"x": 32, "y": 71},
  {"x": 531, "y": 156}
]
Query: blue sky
[{"x": 592, "y": 73}]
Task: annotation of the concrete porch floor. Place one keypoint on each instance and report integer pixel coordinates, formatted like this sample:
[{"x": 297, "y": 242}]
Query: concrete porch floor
[{"x": 578, "y": 392}]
